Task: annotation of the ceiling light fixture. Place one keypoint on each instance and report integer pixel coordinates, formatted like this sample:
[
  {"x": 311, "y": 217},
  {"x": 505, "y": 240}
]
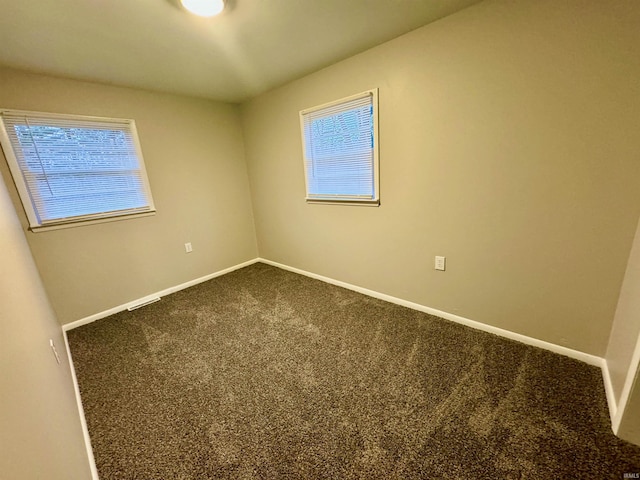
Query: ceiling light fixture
[{"x": 204, "y": 8}]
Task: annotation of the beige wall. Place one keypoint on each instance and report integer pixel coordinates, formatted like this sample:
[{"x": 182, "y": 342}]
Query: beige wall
[
  {"x": 630, "y": 424},
  {"x": 626, "y": 325},
  {"x": 40, "y": 433},
  {"x": 623, "y": 341},
  {"x": 508, "y": 142},
  {"x": 193, "y": 150}
]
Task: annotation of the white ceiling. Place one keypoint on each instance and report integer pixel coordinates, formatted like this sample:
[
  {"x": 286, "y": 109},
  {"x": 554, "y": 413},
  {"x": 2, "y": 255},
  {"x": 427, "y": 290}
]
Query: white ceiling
[{"x": 254, "y": 46}]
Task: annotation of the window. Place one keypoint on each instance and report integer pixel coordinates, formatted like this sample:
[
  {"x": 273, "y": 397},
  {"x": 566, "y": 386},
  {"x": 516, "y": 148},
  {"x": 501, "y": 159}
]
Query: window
[
  {"x": 340, "y": 148},
  {"x": 71, "y": 169}
]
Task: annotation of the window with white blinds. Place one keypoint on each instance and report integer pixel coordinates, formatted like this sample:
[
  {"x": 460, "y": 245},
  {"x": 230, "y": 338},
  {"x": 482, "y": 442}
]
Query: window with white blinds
[
  {"x": 340, "y": 149},
  {"x": 71, "y": 169}
]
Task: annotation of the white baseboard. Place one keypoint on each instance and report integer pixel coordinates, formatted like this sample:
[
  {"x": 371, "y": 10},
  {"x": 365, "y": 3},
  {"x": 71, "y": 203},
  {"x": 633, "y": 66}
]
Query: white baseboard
[
  {"x": 83, "y": 421},
  {"x": 594, "y": 360},
  {"x": 111, "y": 311},
  {"x": 608, "y": 390},
  {"x": 97, "y": 316},
  {"x": 628, "y": 386},
  {"x": 567, "y": 352},
  {"x": 614, "y": 409}
]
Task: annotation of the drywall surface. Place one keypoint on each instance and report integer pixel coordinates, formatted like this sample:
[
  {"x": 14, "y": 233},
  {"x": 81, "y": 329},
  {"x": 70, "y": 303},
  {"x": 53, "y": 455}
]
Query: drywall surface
[
  {"x": 626, "y": 324},
  {"x": 508, "y": 144},
  {"x": 40, "y": 433},
  {"x": 194, "y": 155},
  {"x": 630, "y": 424}
]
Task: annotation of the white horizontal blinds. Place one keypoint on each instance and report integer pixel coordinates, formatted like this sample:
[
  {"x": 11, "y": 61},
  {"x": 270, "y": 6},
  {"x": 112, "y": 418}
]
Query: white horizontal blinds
[
  {"x": 339, "y": 150},
  {"x": 76, "y": 168}
]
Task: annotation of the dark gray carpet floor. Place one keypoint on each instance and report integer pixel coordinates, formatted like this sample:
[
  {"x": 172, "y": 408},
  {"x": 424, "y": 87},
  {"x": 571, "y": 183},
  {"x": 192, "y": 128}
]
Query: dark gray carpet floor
[{"x": 263, "y": 373}]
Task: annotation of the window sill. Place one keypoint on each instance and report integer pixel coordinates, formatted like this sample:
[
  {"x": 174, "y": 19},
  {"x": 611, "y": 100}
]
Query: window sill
[
  {"x": 82, "y": 223},
  {"x": 353, "y": 203}
]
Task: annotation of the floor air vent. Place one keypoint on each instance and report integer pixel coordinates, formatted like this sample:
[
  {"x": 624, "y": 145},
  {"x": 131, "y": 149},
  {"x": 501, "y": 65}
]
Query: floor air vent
[{"x": 144, "y": 304}]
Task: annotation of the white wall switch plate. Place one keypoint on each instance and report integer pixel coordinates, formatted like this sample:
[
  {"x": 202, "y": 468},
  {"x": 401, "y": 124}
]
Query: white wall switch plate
[
  {"x": 440, "y": 263},
  {"x": 188, "y": 248}
]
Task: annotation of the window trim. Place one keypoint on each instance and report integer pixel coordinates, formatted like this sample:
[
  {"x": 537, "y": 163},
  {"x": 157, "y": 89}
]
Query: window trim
[
  {"x": 375, "y": 201},
  {"x": 25, "y": 195}
]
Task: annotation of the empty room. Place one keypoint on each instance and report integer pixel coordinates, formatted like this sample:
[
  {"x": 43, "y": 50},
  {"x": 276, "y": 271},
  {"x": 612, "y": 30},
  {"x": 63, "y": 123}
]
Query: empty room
[{"x": 304, "y": 239}]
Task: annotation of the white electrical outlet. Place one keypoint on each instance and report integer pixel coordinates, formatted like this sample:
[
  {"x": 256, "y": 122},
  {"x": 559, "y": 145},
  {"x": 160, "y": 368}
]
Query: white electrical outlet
[
  {"x": 440, "y": 263},
  {"x": 188, "y": 248}
]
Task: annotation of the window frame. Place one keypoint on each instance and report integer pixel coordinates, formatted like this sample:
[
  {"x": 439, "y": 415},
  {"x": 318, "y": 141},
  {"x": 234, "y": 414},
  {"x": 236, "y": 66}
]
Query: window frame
[
  {"x": 343, "y": 199},
  {"x": 35, "y": 224}
]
